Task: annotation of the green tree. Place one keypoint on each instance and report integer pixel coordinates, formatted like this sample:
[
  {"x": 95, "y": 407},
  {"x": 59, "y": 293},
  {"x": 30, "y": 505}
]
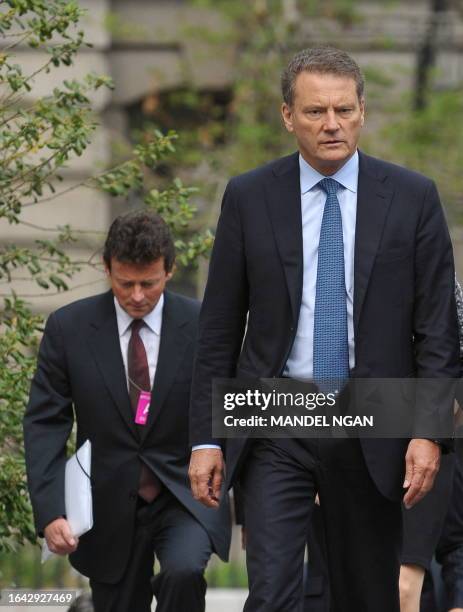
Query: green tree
[
  {"x": 265, "y": 33},
  {"x": 39, "y": 136}
]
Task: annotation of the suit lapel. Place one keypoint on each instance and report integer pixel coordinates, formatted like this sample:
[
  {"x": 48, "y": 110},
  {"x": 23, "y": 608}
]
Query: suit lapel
[
  {"x": 171, "y": 351},
  {"x": 105, "y": 345},
  {"x": 284, "y": 207},
  {"x": 373, "y": 201}
]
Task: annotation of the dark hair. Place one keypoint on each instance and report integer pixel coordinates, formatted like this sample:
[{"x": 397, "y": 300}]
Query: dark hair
[
  {"x": 139, "y": 238},
  {"x": 323, "y": 60}
]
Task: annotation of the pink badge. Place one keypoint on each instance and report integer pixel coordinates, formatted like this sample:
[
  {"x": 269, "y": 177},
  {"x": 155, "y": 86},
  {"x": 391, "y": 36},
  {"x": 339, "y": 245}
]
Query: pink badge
[{"x": 143, "y": 408}]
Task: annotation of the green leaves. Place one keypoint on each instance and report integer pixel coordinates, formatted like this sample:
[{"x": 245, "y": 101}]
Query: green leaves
[
  {"x": 39, "y": 136},
  {"x": 17, "y": 342},
  {"x": 36, "y": 139}
]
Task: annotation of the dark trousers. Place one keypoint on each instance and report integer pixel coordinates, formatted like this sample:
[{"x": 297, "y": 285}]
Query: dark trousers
[
  {"x": 316, "y": 586},
  {"x": 362, "y": 528},
  {"x": 166, "y": 529}
]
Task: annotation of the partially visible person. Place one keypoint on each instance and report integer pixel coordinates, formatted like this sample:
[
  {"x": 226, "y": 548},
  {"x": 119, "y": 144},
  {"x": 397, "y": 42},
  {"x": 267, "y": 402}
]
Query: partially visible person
[
  {"x": 443, "y": 586},
  {"x": 422, "y": 528},
  {"x": 449, "y": 553},
  {"x": 427, "y": 526},
  {"x": 96, "y": 358}
]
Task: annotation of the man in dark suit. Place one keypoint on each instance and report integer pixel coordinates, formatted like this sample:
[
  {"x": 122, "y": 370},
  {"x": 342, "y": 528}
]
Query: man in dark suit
[
  {"x": 327, "y": 264},
  {"x": 96, "y": 358}
]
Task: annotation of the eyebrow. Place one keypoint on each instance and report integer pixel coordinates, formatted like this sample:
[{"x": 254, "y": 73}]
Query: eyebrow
[
  {"x": 130, "y": 280},
  {"x": 316, "y": 106}
]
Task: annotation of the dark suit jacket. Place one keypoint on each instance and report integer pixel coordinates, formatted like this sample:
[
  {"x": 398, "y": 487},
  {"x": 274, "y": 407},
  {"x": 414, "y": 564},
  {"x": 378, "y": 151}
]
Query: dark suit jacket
[
  {"x": 404, "y": 305},
  {"x": 80, "y": 370}
]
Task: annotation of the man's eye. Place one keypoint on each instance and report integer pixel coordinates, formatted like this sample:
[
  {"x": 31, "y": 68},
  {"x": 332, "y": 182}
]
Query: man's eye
[
  {"x": 346, "y": 111},
  {"x": 314, "y": 113}
]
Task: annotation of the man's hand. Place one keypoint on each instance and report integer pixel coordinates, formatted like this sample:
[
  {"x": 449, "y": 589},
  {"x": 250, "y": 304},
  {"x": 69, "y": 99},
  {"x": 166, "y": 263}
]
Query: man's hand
[
  {"x": 206, "y": 475},
  {"x": 59, "y": 537},
  {"x": 421, "y": 466}
]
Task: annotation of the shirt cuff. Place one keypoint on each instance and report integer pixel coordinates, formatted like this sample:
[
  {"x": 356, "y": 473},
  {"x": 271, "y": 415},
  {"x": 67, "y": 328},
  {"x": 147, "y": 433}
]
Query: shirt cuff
[{"x": 201, "y": 446}]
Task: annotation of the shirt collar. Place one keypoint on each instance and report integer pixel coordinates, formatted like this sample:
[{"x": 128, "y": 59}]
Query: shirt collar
[
  {"x": 347, "y": 175},
  {"x": 153, "y": 319}
]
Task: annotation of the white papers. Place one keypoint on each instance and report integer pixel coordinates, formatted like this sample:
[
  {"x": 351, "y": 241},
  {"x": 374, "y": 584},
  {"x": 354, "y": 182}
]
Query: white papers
[
  {"x": 77, "y": 494},
  {"x": 78, "y": 490}
]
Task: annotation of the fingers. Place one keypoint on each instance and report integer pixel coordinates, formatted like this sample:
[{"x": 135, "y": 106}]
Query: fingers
[
  {"x": 206, "y": 475},
  {"x": 200, "y": 486},
  {"x": 67, "y": 536},
  {"x": 216, "y": 484},
  {"x": 421, "y": 467},
  {"x": 419, "y": 488},
  {"x": 408, "y": 472},
  {"x": 59, "y": 537},
  {"x": 415, "y": 492}
]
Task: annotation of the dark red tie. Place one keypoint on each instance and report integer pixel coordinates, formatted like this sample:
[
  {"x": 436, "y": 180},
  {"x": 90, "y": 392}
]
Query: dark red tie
[{"x": 149, "y": 486}]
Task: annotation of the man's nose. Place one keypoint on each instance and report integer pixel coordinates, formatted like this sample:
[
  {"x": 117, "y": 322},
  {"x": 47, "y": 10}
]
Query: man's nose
[
  {"x": 331, "y": 121},
  {"x": 137, "y": 294}
]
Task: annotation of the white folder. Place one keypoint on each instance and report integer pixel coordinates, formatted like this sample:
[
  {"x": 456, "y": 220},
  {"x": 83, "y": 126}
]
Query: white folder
[{"x": 77, "y": 494}]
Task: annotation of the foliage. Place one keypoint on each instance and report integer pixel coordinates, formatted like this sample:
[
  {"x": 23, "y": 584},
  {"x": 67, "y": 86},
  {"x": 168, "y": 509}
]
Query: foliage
[
  {"x": 19, "y": 334},
  {"x": 260, "y": 32},
  {"x": 265, "y": 33},
  {"x": 427, "y": 141},
  {"x": 39, "y": 136}
]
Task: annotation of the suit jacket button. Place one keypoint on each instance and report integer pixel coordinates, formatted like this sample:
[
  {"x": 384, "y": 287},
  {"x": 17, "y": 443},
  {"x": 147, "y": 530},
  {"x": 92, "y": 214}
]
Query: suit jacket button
[{"x": 133, "y": 494}]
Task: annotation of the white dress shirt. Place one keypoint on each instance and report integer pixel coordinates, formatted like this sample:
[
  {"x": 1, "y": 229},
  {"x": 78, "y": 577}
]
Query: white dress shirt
[
  {"x": 150, "y": 334},
  {"x": 300, "y": 361}
]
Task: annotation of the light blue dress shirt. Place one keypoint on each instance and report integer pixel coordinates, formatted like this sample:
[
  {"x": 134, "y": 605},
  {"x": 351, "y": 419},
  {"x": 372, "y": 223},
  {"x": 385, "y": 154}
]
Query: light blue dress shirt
[{"x": 300, "y": 361}]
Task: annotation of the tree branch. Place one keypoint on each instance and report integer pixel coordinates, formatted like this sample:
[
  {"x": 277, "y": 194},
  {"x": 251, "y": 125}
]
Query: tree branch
[
  {"x": 58, "y": 230},
  {"x": 53, "y": 293}
]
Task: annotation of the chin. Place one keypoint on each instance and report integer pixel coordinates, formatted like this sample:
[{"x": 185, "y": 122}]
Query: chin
[
  {"x": 337, "y": 157},
  {"x": 137, "y": 313}
]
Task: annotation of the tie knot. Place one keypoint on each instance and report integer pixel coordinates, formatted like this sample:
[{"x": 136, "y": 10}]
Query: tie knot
[
  {"x": 136, "y": 325},
  {"x": 329, "y": 186}
]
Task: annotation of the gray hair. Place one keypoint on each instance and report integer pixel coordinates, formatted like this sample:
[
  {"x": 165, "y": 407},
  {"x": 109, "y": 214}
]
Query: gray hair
[{"x": 323, "y": 60}]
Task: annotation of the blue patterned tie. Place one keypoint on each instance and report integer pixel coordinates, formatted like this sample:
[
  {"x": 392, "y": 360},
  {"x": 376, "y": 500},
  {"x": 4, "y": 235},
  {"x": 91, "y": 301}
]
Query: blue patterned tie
[{"x": 330, "y": 341}]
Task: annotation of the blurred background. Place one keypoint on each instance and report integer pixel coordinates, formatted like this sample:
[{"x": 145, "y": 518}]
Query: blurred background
[{"x": 208, "y": 70}]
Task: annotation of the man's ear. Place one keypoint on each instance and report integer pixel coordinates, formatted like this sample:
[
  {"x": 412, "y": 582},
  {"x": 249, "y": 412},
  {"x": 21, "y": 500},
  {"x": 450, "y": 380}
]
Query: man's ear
[
  {"x": 106, "y": 269},
  {"x": 362, "y": 110},
  {"x": 170, "y": 274},
  {"x": 287, "y": 115}
]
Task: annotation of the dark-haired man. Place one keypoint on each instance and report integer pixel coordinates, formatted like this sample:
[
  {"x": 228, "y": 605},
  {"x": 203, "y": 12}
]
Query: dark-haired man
[
  {"x": 121, "y": 362},
  {"x": 327, "y": 264}
]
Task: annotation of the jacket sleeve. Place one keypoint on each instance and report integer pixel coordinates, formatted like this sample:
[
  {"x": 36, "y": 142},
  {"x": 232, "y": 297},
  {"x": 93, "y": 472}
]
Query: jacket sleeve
[
  {"x": 47, "y": 426},
  {"x": 435, "y": 322},
  {"x": 223, "y": 317}
]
